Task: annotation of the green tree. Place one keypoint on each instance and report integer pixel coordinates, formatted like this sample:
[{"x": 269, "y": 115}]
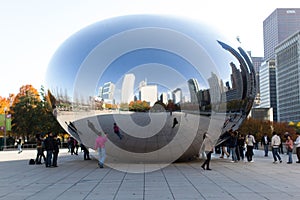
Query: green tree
[
  {"x": 24, "y": 115},
  {"x": 32, "y": 113}
]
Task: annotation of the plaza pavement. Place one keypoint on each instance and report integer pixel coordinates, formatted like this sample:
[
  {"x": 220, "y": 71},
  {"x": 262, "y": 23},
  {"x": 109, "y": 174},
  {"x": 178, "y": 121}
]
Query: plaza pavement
[{"x": 76, "y": 179}]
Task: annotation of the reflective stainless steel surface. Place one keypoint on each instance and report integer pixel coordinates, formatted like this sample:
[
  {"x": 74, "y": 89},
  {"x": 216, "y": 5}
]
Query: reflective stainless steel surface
[{"x": 141, "y": 72}]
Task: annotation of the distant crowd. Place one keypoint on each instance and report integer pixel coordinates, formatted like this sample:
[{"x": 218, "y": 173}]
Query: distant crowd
[{"x": 240, "y": 146}]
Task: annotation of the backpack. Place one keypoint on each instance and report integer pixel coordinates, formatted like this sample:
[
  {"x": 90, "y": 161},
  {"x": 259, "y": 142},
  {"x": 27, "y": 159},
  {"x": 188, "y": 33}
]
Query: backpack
[{"x": 31, "y": 162}]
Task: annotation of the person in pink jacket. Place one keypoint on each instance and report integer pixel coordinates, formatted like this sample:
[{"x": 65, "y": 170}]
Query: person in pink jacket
[{"x": 99, "y": 144}]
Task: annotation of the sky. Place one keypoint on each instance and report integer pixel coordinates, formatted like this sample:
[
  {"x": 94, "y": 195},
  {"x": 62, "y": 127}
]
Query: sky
[{"x": 32, "y": 30}]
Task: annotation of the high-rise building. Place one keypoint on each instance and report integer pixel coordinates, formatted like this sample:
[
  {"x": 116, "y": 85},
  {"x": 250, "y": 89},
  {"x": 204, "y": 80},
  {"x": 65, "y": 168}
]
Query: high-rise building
[
  {"x": 279, "y": 25},
  {"x": 194, "y": 89},
  {"x": 106, "y": 92},
  {"x": 177, "y": 95},
  {"x": 149, "y": 94},
  {"x": 257, "y": 61},
  {"x": 288, "y": 78},
  {"x": 216, "y": 88},
  {"x": 268, "y": 96},
  {"x": 127, "y": 93},
  {"x": 164, "y": 98}
]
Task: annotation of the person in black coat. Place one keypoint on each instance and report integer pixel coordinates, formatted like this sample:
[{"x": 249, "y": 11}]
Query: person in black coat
[
  {"x": 49, "y": 147},
  {"x": 265, "y": 141},
  {"x": 86, "y": 153},
  {"x": 56, "y": 144}
]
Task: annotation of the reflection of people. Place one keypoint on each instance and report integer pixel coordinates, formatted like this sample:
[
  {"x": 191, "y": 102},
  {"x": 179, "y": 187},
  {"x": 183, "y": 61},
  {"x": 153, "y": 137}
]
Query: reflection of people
[
  {"x": 208, "y": 149},
  {"x": 117, "y": 131},
  {"x": 174, "y": 122},
  {"x": 99, "y": 144},
  {"x": 76, "y": 146}
]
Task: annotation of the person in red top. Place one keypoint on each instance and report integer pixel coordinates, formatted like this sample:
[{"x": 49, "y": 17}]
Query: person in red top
[
  {"x": 99, "y": 144},
  {"x": 117, "y": 131},
  {"x": 289, "y": 145}
]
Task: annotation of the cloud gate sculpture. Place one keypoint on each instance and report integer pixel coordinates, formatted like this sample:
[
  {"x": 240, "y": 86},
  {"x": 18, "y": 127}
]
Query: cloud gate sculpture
[{"x": 145, "y": 72}]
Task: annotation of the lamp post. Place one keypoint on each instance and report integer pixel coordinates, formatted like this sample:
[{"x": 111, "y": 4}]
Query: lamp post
[{"x": 4, "y": 128}]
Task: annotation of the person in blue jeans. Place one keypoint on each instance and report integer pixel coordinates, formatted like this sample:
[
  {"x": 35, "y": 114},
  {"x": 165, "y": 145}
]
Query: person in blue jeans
[
  {"x": 233, "y": 145},
  {"x": 49, "y": 147},
  {"x": 289, "y": 146},
  {"x": 99, "y": 144},
  {"x": 275, "y": 142}
]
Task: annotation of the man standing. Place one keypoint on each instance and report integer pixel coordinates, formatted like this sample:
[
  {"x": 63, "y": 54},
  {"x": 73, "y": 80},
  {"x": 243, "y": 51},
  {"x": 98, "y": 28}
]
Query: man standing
[
  {"x": 265, "y": 141},
  {"x": 49, "y": 147},
  {"x": 233, "y": 145},
  {"x": 56, "y": 144},
  {"x": 297, "y": 143},
  {"x": 275, "y": 142}
]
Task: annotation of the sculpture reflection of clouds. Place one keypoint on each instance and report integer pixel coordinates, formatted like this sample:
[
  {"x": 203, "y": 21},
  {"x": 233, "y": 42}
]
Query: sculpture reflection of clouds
[{"x": 166, "y": 62}]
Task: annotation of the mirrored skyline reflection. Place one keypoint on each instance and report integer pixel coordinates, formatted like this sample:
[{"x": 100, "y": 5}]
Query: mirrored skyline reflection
[{"x": 208, "y": 80}]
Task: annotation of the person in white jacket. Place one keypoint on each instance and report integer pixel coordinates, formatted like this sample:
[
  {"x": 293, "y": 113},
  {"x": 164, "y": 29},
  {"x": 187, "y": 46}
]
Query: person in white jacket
[
  {"x": 275, "y": 142},
  {"x": 297, "y": 143},
  {"x": 208, "y": 149}
]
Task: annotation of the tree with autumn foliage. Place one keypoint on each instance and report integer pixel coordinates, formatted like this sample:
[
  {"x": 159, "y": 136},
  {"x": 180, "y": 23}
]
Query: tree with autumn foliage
[
  {"x": 4, "y": 104},
  {"x": 259, "y": 127},
  {"x": 32, "y": 113},
  {"x": 139, "y": 106}
]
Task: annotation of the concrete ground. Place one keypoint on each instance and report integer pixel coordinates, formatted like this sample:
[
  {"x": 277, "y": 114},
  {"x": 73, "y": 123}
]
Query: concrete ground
[{"x": 75, "y": 179}]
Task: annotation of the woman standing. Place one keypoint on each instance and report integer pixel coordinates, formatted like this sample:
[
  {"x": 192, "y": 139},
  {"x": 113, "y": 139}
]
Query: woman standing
[
  {"x": 289, "y": 146},
  {"x": 208, "y": 149},
  {"x": 250, "y": 141}
]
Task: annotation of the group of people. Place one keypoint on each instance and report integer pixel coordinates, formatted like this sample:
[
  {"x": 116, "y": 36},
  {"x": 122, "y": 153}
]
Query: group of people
[
  {"x": 238, "y": 143},
  {"x": 73, "y": 147},
  {"x": 275, "y": 142},
  {"x": 51, "y": 144},
  {"x": 239, "y": 146}
]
